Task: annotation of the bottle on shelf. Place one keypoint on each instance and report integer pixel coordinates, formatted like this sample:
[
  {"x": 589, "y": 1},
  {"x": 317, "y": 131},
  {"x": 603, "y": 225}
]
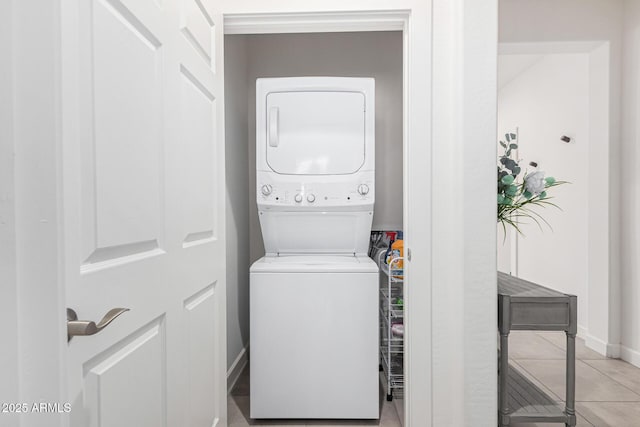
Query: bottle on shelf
[{"x": 396, "y": 250}]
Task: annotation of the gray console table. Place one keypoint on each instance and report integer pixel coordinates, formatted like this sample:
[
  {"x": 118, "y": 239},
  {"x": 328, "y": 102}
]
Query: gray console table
[{"x": 524, "y": 305}]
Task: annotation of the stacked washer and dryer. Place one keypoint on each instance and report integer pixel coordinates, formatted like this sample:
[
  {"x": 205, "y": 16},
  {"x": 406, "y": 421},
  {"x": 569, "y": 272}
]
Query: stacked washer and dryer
[{"x": 314, "y": 295}]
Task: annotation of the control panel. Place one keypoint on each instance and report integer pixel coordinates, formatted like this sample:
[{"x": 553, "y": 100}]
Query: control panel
[{"x": 315, "y": 194}]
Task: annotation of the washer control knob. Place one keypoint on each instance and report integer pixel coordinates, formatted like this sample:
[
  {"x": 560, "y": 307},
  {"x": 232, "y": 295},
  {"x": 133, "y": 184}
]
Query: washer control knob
[
  {"x": 363, "y": 189},
  {"x": 298, "y": 198},
  {"x": 266, "y": 189},
  {"x": 311, "y": 198}
]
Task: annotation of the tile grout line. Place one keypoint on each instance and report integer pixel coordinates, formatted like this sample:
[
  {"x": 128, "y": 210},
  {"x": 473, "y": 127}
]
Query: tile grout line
[
  {"x": 594, "y": 368},
  {"x": 578, "y": 412},
  {"x": 614, "y": 380},
  {"x": 565, "y": 350},
  {"x": 550, "y": 342},
  {"x": 552, "y": 393},
  {"x": 581, "y": 413},
  {"x": 558, "y": 399},
  {"x": 586, "y": 361}
]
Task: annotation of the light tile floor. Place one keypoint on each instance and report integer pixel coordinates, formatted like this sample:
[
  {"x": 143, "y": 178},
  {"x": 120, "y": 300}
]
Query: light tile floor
[
  {"x": 607, "y": 390},
  {"x": 238, "y": 412}
]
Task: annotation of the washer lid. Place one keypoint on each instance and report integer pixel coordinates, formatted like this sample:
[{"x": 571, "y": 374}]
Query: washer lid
[
  {"x": 314, "y": 264},
  {"x": 315, "y": 132}
]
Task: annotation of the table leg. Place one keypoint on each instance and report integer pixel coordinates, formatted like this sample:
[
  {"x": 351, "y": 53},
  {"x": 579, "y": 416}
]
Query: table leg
[
  {"x": 504, "y": 380},
  {"x": 571, "y": 379}
]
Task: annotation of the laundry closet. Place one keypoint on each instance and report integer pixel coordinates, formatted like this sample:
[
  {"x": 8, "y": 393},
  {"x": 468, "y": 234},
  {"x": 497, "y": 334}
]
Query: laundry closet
[{"x": 376, "y": 55}]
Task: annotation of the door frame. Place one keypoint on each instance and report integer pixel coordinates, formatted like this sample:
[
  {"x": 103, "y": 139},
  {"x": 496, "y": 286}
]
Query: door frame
[
  {"x": 385, "y": 20},
  {"x": 35, "y": 207},
  {"x": 451, "y": 353}
]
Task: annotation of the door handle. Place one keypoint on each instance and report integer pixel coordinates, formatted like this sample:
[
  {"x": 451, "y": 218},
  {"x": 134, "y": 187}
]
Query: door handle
[
  {"x": 273, "y": 126},
  {"x": 77, "y": 327}
]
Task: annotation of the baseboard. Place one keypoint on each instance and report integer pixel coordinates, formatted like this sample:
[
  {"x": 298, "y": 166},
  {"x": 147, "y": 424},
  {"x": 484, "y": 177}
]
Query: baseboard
[
  {"x": 237, "y": 367},
  {"x": 614, "y": 350},
  {"x": 629, "y": 355},
  {"x": 602, "y": 347},
  {"x": 582, "y": 332},
  {"x": 595, "y": 344}
]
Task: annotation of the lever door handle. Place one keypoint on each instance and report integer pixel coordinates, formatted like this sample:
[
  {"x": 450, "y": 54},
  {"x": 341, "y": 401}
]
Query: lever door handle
[{"x": 77, "y": 327}]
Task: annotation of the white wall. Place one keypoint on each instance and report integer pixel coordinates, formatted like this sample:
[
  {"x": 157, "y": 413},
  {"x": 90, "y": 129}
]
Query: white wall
[
  {"x": 547, "y": 100},
  {"x": 8, "y": 286},
  {"x": 362, "y": 54},
  {"x": 630, "y": 210},
  {"x": 237, "y": 181},
  {"x": 541, "y": 26}
]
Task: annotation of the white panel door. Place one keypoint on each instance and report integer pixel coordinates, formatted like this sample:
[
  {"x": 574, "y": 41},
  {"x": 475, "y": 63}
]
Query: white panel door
[{"x": 143, "y": 185}]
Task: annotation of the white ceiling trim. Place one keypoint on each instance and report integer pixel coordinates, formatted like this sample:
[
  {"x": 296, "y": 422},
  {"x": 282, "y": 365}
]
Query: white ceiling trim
[{"x": 391, "y": 20}]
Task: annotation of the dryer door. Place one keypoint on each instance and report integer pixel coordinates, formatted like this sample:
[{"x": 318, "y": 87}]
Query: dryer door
[{"x": 315, "y": 133}]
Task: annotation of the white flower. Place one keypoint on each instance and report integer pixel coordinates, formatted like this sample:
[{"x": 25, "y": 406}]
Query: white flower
[{"x": 534, "y": 182}]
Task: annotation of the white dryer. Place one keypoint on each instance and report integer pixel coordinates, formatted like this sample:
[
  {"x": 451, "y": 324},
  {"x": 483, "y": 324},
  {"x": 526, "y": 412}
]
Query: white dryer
[{"x": 314, "y": 295}]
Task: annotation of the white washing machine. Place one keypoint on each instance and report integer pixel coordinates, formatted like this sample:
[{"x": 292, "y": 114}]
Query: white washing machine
[{"x": 314, "y": 295}]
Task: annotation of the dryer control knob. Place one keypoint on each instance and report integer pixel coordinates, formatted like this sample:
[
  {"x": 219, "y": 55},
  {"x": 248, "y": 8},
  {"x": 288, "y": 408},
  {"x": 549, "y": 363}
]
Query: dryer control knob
[
  {"x": 298, "y": 198},
  {"x": 266, "y": 189},
  {"x": 363, "y": 189},
  {"x": 311, "y": 198}
]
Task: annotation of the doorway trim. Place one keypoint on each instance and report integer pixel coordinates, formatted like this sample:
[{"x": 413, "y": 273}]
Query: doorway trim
[
  {"x": 417, "y": 355},
  {"x": 36, "y": 281},
  {"x": 320, "y": 22}
]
